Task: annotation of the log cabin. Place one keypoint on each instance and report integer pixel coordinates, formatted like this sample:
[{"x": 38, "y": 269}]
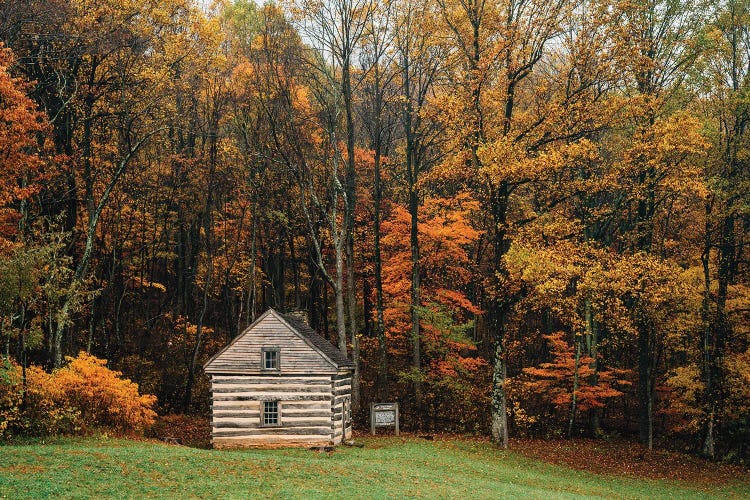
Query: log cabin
[{"x": 279, "y": 383}]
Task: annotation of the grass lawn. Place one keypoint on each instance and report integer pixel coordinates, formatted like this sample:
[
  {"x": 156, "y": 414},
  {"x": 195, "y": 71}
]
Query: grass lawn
[{"x": 386, "y": 467}]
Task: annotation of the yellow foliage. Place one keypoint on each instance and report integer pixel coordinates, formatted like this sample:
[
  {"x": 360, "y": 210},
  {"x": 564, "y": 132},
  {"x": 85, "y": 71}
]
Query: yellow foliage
[
  {"x": 83, "y": 395},
  {"x": 103, "y": 398},
  {"x": 686, "y": 385},
  {"x": 738, "y": 384},
  {"x": 10, "y": 395}
]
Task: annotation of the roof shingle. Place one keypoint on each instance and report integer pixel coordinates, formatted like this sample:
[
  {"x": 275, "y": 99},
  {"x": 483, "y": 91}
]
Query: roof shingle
[{"x": 316, "y": 340}]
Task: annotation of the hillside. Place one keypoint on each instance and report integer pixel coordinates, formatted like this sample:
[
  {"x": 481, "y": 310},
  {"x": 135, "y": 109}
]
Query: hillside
[{"x": 384, "y": 468}]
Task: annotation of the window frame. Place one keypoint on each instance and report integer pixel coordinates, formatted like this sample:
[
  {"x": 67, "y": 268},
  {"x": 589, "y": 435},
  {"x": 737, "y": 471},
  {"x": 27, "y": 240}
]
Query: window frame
[
  {"x": 264, "y": 412},
  {"x": 263, "y": 359}
]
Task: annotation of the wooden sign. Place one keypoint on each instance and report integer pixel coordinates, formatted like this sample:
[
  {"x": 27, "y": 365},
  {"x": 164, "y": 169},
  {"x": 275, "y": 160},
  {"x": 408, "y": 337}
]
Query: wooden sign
[{"x": 384, "y": 415}]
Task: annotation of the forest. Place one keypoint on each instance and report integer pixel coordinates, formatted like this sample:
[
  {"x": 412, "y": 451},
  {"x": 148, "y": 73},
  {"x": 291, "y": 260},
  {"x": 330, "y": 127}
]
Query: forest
[{"x": 523, "y": 217}]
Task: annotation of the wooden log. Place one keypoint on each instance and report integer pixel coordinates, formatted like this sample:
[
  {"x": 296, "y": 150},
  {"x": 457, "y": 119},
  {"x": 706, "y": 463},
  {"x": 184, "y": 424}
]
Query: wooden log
[
  {"x": 218, "y": 379},
  {"x": 273, "y": 431},
  {"x": 221, "y": 389},
  {"x": 236, "y": 414},
  {"x": 306, "y": 405},
  {"x": 273, "y": 397},
  {"x": 342, "y": 382},
  {"x": 297, "y": 413}
]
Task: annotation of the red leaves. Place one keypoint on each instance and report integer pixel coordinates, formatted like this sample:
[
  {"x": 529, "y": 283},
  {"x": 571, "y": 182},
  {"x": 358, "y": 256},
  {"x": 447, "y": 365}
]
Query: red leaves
[
  {"x": 21, "y": 127},
  {"x": 554, "y": 380}
]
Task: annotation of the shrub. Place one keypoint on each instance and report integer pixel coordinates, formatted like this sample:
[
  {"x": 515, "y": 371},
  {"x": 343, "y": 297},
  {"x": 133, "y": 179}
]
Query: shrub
[
  {"x": 103, "y": 398},
  {"x": 79, "y": 397},
  {"x": 10, "y": 396},
  {"x": 45, "y": 410}
]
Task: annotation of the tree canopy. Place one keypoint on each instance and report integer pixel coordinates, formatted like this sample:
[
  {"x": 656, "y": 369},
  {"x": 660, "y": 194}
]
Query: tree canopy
[{"x": 523, "y": 217}]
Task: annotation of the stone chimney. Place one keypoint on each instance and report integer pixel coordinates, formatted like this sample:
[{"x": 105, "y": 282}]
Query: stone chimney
[{"x": 299, "y": 315}]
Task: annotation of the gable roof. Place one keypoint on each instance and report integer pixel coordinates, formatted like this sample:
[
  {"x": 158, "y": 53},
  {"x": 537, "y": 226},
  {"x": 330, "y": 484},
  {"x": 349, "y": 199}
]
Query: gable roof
[
  {"x": 330, "y": 354},
  {"x": 318, "y": 342}
]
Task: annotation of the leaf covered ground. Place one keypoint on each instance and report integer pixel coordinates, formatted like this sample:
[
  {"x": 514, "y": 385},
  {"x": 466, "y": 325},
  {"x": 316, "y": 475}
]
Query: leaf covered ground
[
  {"x": 625, "y": 458},
  {"x": 386, "y": 467}
]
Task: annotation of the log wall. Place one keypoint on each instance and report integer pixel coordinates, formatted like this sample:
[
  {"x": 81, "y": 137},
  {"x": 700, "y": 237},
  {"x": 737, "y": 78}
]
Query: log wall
[
  {"x": 341, "y": 389},
  {"x": 306, "y": 410}
]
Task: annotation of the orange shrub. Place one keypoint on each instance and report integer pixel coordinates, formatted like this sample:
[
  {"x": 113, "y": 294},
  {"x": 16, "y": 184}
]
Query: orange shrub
[
  {"x": 102, "y": 397},
  {"x": 33, "y": 409},
  {"x": 10, "y": 396},
  {"x": 83, "y": 395},
  {"x": 45, "y": 410}
]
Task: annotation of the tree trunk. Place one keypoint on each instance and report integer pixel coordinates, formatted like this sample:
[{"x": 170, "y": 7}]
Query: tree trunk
[
  {"x": 338, "y": 291},
  {"x": 645, "y": 417},
  {"x": 352, "y": 303},
  {"x": 382, "y": 379},
  {"x": 415, "y": 290},
  {"x": 706, "y": 368},
  {"x": 574, "y": 396},
  {"x": 208, "y": 230},
  {"x": 592, "y": 345},
  {"x": 412, "y": 171},
  {"x": 497, "y": 314},
  {"x": 499, "y": 412}
]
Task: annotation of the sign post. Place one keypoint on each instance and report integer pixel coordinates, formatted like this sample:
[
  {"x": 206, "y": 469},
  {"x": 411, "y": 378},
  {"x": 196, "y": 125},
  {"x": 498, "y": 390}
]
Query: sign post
[{"x": 383, "y": 415}]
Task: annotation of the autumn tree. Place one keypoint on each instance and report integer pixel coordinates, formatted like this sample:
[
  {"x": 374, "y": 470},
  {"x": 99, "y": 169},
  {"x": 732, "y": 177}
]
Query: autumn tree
[
  {"x": 420, "y": 59},
  {"x": 658, "y": 37},
  {"x": 520, "y": 110},
  {"x": 724, "y": 243},
  {"x": 445, "y": 238},
  {"x": 23, "y": 141},
  {"x": 378, "y": 116}
]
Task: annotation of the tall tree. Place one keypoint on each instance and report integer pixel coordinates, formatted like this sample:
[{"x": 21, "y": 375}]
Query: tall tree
[
  {"x": 726, "y": 214},
  {"x": 420, "y": 58},
  {"x": 378, "y": 118},
  {"x": 335, "y": 28},
  {"x": 659, "y": 39}
]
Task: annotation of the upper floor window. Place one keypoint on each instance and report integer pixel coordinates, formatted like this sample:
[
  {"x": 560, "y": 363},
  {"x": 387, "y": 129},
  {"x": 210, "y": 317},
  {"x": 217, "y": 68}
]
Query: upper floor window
[{"x": 270, "y": 358}]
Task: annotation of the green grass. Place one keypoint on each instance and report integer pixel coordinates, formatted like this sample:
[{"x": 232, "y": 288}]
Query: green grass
[{"x": 384, "y": 468}]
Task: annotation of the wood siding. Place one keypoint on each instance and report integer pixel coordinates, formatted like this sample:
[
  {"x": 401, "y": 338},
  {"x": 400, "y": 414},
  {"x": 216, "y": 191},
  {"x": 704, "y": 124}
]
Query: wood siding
[
  {"x": 312, "y": 386},
  {"x": 341, "y": 389},
  {"x": 295, "y": 354},
  {"x": 305, "y": 410}
]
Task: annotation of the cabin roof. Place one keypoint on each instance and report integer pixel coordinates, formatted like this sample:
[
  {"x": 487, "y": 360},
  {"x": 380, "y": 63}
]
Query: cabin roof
[
  {"x": 320, "y": 345},
  {"x": 318, "y": 342}
]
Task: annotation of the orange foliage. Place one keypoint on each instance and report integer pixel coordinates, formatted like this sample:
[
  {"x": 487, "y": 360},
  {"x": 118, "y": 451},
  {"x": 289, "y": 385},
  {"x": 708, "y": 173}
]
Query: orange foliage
[
  {"x": 554, "y": 381},
  {"x": 445, "y": 233},
  {"x": 21, "y": 126},
  {"x": 103, "y": 398},
  {"x": 83, "y": 395},
  {"x": 453, "y": 376}
]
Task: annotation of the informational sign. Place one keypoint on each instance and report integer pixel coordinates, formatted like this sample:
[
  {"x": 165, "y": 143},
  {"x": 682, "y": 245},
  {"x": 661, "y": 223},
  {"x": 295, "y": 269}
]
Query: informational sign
[{"x": 384, "y": 415}]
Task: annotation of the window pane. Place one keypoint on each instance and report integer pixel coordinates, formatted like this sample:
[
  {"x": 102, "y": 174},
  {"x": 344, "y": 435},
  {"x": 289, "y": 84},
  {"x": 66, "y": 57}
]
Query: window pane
[
  {"x": 270, "y": 412},
  {"x": 271, "y": 360}
]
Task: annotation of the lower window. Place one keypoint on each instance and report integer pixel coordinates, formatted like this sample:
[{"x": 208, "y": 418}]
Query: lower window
[{"x": 270, "y": 413}]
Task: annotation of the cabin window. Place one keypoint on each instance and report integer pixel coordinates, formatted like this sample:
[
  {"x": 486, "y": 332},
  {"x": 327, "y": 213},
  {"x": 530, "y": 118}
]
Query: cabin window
[
  {"x": 271, "y": 413},
  {"x": 271, "y": 358}
]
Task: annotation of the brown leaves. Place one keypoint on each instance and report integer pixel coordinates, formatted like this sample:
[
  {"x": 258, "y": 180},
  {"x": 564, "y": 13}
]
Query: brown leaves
[{"x": 627, "y": 458}]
